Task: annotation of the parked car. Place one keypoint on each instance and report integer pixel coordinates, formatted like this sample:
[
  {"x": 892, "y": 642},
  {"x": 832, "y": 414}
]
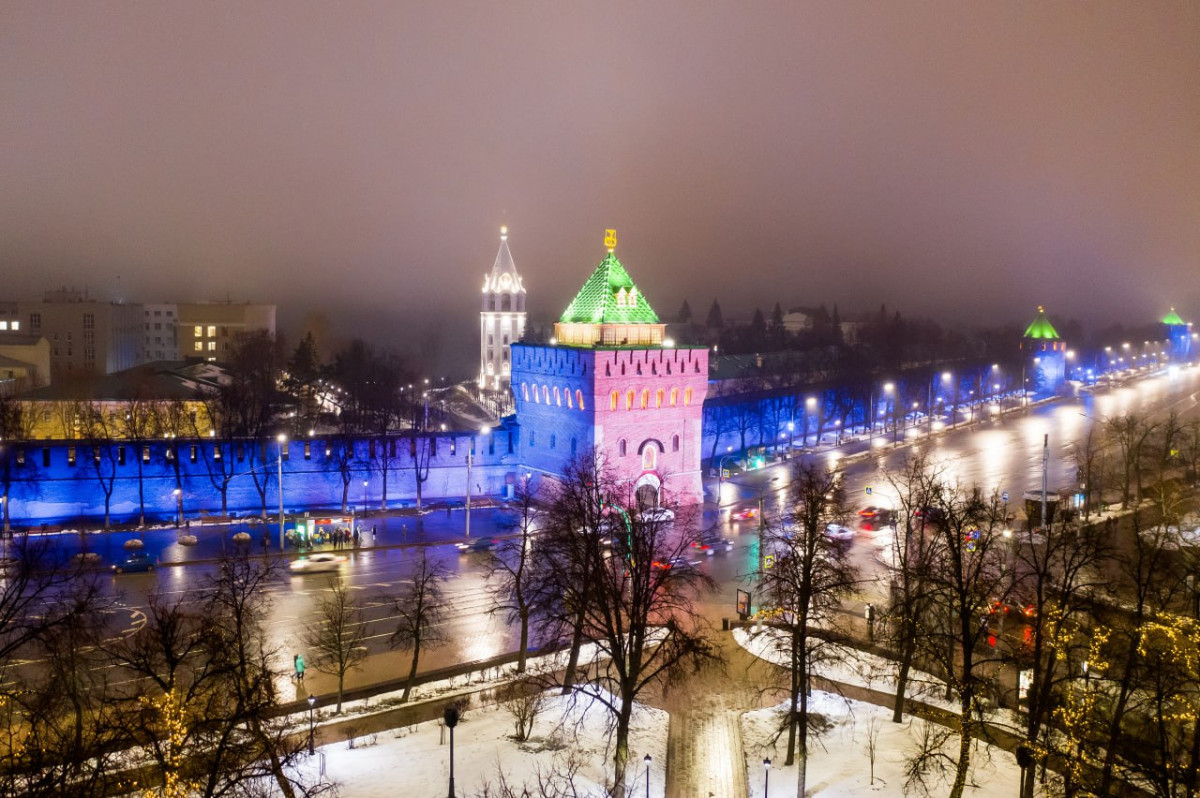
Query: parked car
[
  {"x": 134, "y": 562},
  {"x": 323, "y": 562}
]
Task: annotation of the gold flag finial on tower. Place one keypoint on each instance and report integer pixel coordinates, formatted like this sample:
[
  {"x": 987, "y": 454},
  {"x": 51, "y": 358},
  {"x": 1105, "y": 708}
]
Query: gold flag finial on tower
[{"x": 610, "y": 239}]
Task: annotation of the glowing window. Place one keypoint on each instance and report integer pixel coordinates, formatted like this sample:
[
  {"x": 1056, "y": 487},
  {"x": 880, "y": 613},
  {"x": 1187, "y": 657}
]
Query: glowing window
[
  {"x": 525, "y": 391},
  {"x": 658, "y": 398},
  {"x": 557, "y": 397},
  {"x": 650, "y": 457},
  {"x": 536, "y": 397},
  {"x": 212, "y": 331},
  {"x": 621, "y": 448},
  {"x": 568, "y": 395},
  {"x": 546, "y": 394},
  {"x": 613, "y": 401},
  {"x": 687, "y": 397},
  {"x": 579, "y": 400},
  {"x": 645, "y": 398},
  {"x": 674, "y": 396},
  {"x": 629, "y": 400},
  {"x": 199, "y": 332}
]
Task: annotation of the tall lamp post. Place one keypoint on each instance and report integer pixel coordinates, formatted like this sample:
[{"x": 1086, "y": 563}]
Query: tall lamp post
[
  {"x": 281, "y": 439},
  {"x": 450, "y": 717},
  {"x": 809, "y": 404},
  {"x": 646, "y": 759},
  {"x": 179, "y": 505},
  {"x": 312, "y": 703},
  {"x": 767, "y": 777},
  {"x": 470, "y": 457},
  {"x": 721, "y": 475},
  {"x": 888, "y": 390}
]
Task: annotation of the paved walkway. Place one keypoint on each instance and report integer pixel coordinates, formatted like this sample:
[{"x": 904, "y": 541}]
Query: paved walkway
[{"x": 704, "y": 745}]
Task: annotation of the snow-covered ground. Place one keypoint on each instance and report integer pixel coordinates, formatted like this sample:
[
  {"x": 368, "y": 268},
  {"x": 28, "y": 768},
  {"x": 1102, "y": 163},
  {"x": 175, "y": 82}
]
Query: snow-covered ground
[
  {"x": 839, "y": 764},
  {"x": 413, "y": 761}
]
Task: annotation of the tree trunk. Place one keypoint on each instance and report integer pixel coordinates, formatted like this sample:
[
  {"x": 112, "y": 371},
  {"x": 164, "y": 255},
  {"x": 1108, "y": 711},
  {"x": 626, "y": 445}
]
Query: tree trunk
[
  {"x": 964, "y": 743},
  {"x": 621, "y": 746},
  {"x": 521, "y": 655},
  {"x": 412, "y": 673},
  {"x": 341, "y": 688},
  {"x": 345, "y": 492},
  {"x": 902, "y": 683},
  {"x": 793, "y": 704},
  {"x": 573, "y": 657},
  {"x": 141, "y": 489}
]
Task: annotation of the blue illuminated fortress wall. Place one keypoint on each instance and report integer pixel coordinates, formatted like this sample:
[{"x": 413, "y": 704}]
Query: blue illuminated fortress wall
[
  {"x": 554, "y": 392},
  {"x": 48, "y": 488}
]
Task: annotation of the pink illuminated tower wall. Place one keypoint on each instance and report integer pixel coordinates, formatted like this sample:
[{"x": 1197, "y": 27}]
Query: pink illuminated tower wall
[{"x": 609, "y": 379}]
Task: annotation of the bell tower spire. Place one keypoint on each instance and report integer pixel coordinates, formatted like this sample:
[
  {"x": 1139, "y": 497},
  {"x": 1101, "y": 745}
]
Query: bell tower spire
[{"x": 501, "y": 319}]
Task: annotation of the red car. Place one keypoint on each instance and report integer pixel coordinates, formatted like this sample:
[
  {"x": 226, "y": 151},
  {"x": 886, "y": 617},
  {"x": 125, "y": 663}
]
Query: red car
[{"x": 748, "y": 514}]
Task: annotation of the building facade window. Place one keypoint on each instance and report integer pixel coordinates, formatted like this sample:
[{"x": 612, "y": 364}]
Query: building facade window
[
  {"x": 621, "y": 448},
  {"x": 613, "y": 401},
  {"x": 650, "y": 457},
  {"x": 629, "y": 400},
  {"x": 674, "y": 396},
  {"x": 579, "y": 400},
  {"x": 674, "y": 443}
]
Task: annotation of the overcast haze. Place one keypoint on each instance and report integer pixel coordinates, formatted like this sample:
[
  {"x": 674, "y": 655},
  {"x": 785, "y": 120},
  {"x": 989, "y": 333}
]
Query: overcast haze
[{"x": 964, "y": 160}]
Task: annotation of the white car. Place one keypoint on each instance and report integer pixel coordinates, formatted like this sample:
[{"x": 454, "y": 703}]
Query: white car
[
  {"x": 839, "y": 533},
  {"x": 658, "y": 514},
  {"x": 317, "y": 563}
]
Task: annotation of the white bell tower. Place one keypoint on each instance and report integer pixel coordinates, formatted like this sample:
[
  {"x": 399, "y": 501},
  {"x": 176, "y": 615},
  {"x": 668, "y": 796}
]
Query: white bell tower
[{"x": 502, "y": 319}]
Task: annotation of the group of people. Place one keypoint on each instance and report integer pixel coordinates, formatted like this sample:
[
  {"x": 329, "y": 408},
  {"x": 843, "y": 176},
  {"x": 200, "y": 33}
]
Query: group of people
[{"x": 342, "y": 537}]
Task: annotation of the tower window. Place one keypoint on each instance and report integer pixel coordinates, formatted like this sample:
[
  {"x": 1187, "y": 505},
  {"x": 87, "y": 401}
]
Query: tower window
[
  {"x": 629, "y": 400},
  {"x": 687, "y": 397},
  {"x": 579, "y": 400},
  {"x": 658, "y": 398},
  {"x": 674, "y": 396},
  {"x": 674, "y": 443},
  {"x": 621, "y": 448},
  {"x": 650, "y": 457},
  {"x": 645, "y": 398},
  {"x": 613, "y": 401}
]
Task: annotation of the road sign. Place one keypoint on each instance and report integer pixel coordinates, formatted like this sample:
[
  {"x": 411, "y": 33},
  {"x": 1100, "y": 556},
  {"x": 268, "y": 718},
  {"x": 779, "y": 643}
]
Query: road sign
[
  {"x": 768, "y": 562},
  {"x": 1004, "y": 496},
  {"x": 869, "y": 490},
  {"x": 724, "y": 473}
]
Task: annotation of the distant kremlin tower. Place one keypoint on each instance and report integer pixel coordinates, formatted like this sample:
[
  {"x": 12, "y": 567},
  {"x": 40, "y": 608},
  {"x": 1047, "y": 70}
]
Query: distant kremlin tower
[
  {"x": 1045, "y": 355},
  {"x": 502, "y": 319},
  {"x": 609, "y": 379}
]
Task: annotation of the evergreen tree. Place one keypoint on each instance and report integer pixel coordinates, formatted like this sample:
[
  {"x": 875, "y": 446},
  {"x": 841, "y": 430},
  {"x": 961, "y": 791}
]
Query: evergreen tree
[
  {"x": 715, "y": 320},
  {"x": 757, "y": 337},
  {"x": 685, "y": 314},
  {"x": 777, "y": 317}
]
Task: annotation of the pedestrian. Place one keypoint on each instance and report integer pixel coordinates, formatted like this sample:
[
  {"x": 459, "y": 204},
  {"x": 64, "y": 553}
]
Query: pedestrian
[
  {"x": 298, "y": 660},
  {"x": 374, "y": 535},
  {"x": 356, "y": 537}
]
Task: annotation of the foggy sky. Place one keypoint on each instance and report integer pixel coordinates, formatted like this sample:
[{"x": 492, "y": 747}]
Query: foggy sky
[{"x": 962, "y": 160}]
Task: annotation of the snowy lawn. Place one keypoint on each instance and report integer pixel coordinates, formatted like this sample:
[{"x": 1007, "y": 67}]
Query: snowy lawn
[
  {"x": 839, "y": 762},
  {"x": 413, "y": 761}
]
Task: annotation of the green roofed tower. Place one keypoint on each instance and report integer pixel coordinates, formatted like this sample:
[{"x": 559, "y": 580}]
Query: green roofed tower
[
  {"x": 1041, "y": 328},
  {"x": 609, "y": 310},
  {"x": 1172, "y": 319}
]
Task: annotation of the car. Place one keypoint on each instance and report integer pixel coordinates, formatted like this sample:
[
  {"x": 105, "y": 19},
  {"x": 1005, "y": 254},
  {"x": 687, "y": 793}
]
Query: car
[
  {"x": 322, "y": 562},
  {"x": 873, "y": 512},
  {"x": 658, "y": 514},
  {"x": 1012, "y": 608},
  {"x": 839, "y": 533},
  {"x": 133, "y": 563},
  {"x": 477, "y": 545},
  {"x": 708, "y": 545},
  {"x": 748, "y": 514}
]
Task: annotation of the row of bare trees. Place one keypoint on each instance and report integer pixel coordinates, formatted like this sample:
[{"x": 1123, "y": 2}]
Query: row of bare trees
[{"x": 184, "y": 704}]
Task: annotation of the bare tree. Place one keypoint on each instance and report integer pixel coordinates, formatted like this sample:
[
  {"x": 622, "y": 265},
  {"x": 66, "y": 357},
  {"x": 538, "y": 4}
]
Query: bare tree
[
  {"x": 419, "y": 610},
  {"x": 808, "y": 581},
  {"x": 637, "y": 606},
  {"x": 339, "y": 634},
  {"x": 512, "y": 573}
]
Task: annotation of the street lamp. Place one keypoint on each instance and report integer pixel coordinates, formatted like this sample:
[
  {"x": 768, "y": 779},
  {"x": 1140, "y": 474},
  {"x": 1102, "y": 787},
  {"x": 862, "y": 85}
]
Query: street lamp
[
  {"x": 281, "y": 439},
  {"x": 766, "y": 777},
  {"x": 470, "y": 457},
  {"x": 312, "y": 703},
  {"x": 888, "y": 388},
  {"x": 450, "y": 717},
  {"x": 721, "y": 474},
  {"x": 809, "y": 404},
  {"x": 791, "y": 437},
  {"x": 179, "y": 505},
  {"x": 646, "y": 759}
]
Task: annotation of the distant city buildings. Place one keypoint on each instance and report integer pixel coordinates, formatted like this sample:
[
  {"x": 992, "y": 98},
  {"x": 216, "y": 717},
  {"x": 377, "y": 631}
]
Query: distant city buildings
[{"x": 86, "y": 337}]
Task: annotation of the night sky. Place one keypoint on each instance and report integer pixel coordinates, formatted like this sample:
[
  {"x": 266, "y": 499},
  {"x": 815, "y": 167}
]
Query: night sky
[{"x": 961, "y": 160}]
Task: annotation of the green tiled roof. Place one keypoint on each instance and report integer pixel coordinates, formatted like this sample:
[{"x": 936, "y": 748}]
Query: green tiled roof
[
  {"x": 609, "y": 297},
  {"x": 1172, "y": 318},
  {"x": 1041, "y": 327}
]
